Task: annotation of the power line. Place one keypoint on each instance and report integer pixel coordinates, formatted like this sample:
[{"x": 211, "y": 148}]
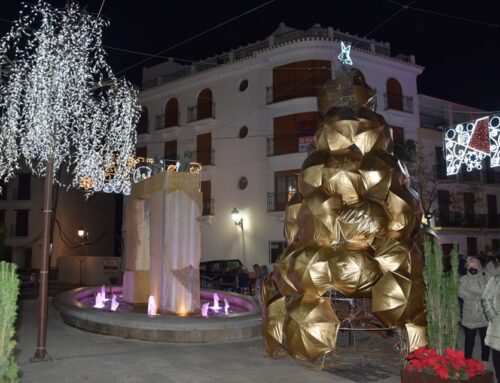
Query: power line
[
  {"x": 448, "y": 15},
  {"x": 403, "y": 8},
  {"x": 198, "y": 35}
]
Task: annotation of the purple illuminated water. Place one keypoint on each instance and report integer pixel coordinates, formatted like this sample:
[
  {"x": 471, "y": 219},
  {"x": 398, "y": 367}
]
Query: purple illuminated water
[{"x": 237, "y": 305}]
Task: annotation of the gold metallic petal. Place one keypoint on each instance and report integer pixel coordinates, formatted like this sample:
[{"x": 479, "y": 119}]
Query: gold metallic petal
[
  {"x": 354, "y": 272},
  {"x": 272, "y": 327},
  {"x": 291, "y": 225},
  {"x": 311, "y": 326}
]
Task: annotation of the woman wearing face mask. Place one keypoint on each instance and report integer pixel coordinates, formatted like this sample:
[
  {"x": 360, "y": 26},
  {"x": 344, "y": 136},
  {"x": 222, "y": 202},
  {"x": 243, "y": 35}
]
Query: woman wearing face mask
[{"x": 471, "y": 288}]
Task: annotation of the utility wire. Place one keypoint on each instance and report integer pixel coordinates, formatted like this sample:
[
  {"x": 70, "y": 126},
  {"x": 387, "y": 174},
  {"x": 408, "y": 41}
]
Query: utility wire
[
  {"x": 403, "y": 8},
  {"x": 198, "y": 35},
  {"x": 448, "y": 15}
]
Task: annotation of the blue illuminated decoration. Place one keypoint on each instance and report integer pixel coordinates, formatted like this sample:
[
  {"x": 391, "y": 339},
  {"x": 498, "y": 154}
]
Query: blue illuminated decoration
[{"x": 345, "y": 55}]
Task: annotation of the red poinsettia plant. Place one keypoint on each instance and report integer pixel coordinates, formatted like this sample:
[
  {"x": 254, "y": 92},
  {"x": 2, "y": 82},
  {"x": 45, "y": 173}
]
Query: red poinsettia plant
[{"x": 451, "y": 365}]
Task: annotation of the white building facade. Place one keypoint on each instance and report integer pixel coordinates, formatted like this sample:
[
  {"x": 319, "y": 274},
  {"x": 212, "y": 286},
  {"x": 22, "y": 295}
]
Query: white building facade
[{"x": 248, "y": 116}]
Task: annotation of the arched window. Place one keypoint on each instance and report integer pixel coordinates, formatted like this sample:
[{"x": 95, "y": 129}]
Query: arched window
[
  {"x": 142, "y": 126},
  {"x": 172, "y": 113},
  {"x": 205, "y": 104},
  {"x": 394, "y": 94}
]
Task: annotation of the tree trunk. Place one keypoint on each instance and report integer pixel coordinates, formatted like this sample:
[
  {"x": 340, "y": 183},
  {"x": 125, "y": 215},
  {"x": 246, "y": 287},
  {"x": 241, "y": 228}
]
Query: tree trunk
[{"x": 41, "y": 354}]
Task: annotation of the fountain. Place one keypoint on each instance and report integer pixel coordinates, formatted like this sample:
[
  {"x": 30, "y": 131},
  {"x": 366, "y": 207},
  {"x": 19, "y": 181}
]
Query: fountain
[
  {"x": 204, "y": 309},
  {"x": 99, "y": 301},
  {"x": 103, "y": 293},
  {"x": 151, "y": 306},
  {"x": 216, "y": 306},
  {"x": 114, "y": 303},
  {"x": 161, "y": 298}
]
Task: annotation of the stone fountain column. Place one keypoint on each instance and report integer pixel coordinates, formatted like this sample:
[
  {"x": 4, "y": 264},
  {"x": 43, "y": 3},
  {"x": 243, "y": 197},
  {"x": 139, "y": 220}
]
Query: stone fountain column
[{"x": 174, "y": 203}]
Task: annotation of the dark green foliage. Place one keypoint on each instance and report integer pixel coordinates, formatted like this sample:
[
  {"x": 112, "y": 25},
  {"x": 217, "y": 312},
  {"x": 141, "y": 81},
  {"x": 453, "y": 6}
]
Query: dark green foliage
[
  {"x": 441, "y": 299},
  {"x": 9, "y": 291}
]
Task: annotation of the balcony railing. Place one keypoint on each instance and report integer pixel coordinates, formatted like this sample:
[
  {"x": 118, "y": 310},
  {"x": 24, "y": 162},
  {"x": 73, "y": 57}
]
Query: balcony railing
[
  {"x": 397, "y": 102},
  {"x": 196, "y": 112},
  {"x": 249, "y": 50},
  {"x": 208, "y": 207},
  {"x": 467, "y": 220},
  {"x": 204, "y": 157},
  {"x": 291, "y": 90},
  {"x": 278, "y": 201},
  {"x": 288, "y": 144}
]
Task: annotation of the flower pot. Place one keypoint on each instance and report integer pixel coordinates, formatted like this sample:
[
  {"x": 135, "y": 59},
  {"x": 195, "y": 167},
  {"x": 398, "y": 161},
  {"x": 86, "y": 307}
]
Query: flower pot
[{"x": 421, "y": 377}]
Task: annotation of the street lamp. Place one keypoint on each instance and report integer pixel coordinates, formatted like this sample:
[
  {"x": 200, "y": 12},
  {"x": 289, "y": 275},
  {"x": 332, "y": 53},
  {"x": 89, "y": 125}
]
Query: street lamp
[
  {"x": 237, "y": 218},
  {"x": 82, "y": 235}
]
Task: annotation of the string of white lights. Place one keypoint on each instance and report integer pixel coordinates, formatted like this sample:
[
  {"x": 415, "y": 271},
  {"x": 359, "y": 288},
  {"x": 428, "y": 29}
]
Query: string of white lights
[{"x": 55, "y": 104}]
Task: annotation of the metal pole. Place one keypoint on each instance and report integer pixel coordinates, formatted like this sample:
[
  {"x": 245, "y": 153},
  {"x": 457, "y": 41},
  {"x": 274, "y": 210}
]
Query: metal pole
[{"x": 41, "y": 354}]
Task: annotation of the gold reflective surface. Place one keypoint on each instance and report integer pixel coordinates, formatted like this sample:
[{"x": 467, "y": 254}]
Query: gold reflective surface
[{"x": 351, "y": 229}]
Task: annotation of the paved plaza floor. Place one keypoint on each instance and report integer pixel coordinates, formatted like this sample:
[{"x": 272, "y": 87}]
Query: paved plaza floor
[{"x": 80, "y": 356}]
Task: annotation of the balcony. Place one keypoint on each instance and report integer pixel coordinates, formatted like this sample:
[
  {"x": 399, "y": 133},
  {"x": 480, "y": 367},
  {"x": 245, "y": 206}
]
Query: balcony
[
  {"x": 467, "y": 220},
  {"x": 398, "y": 102},
  {"x": 291, "y": 90},
  {"x": 171, "y": 121},
  {"x": 208, "y": 207},
  {"x": 200, "y": 112},
  {"x": 288, "y": 144},
  {"x": 204, "y": 157},
  {"x": 279, "y": 201}
]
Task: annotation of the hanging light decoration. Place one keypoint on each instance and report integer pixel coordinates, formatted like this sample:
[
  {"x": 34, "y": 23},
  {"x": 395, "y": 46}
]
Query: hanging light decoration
[{"x": 59, "y": 99}]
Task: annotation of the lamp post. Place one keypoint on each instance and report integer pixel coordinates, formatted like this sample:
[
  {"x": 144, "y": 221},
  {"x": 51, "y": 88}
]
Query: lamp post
[
  {"x": 237, "y": 218},
  {"x": 82, "y": 235}
]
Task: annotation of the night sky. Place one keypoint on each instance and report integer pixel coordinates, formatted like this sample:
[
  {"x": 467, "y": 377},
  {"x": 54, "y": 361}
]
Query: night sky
[{"x": 461, "y": 58}]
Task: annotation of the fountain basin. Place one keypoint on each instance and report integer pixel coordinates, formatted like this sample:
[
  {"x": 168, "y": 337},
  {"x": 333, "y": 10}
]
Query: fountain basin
[{"x": 161, "y": 328}]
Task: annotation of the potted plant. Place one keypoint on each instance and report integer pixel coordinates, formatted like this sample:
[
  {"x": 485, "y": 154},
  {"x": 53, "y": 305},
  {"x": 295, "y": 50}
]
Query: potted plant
[{"x": 441, "y": 361}]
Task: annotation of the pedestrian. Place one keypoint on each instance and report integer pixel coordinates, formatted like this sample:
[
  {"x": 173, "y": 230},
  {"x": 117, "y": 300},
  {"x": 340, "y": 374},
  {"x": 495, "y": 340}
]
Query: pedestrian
[
  {"x": 471, "y": 288},
  {"x": 493, "y": 265},
  {"x": 491, "y": 305}
]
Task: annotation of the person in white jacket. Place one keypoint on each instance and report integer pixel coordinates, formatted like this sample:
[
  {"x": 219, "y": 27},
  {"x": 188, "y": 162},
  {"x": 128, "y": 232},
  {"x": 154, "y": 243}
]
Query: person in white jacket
[
  {"x": 491, "y": 305},
  {"x": 471, "y": 288}
]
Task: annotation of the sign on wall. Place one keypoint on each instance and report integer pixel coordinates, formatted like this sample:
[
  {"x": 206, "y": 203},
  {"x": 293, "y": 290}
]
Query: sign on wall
[{"x": 468, "y": 144}]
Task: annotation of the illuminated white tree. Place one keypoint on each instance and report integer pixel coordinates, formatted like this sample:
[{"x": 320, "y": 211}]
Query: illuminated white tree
[{"x": 62, "y": 107}]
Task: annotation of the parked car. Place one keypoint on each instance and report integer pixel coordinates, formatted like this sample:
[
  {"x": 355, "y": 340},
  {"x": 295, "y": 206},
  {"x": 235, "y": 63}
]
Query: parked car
[
  {"x": 220, "y": 274},
  {"x": 29, "y": 279}
]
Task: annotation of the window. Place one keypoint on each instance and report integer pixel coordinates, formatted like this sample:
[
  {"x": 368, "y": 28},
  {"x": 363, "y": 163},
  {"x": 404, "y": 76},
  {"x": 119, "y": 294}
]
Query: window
[
  {"x": 171, "y": 150},
  {"x": 491, "y": 202},
  {"x": 469, "y": 209},
  {"x": 293, "y": 133},
  {"x": 172, "y": 113},
  {"x": 24, "y": 186},
  {"x": 22, "y": 220},
  {"x": 285, "y": 188},
  {"x": 471, "y": 246},
  {"x": 142, "y": 126},
  {"x": 204, "y": 149},
  {"x": 443, "y": 208},
  {"x": 206, "y": 190},
  {"x": 243, "y": 85},
  {"x": 394, "y": 94},
  {"x": 243, "y": 132},
  {"x": 276, "y": 248},
  {"x": 440, "y": 163},
  {"x": 299, "y": 79},
  {"x": 141, "y": 151},
  {"x": 398, "y": 135},
  {"x": 204, "y": 104},
  {"x": 495, "y": 244}
]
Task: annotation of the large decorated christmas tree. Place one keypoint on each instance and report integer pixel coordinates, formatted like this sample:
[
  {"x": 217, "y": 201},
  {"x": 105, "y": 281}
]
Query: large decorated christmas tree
[{"x": 352, "y": 230}]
